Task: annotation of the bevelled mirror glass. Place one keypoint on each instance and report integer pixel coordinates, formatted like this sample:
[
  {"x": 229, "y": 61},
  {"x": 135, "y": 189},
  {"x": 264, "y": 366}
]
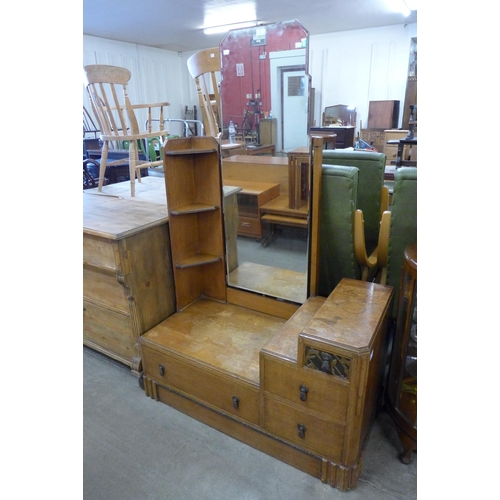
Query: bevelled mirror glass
[{"x": 264, "y": 92}]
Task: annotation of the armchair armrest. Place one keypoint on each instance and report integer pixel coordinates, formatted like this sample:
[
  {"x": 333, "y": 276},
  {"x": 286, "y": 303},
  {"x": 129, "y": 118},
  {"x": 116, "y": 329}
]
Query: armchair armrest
[
  {"x": 365, "y": 262},
  {"x": 383, "y": 245}
]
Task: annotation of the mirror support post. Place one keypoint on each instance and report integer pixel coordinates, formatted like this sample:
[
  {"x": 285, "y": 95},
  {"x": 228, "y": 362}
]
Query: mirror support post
[{"x": 315, "y": 195}]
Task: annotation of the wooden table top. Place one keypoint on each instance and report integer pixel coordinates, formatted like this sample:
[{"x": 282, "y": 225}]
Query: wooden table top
[
  {"x": 281, "y": 206},
  {"x": 250, "y": 187},
  {"x": 266, "y": 160}
]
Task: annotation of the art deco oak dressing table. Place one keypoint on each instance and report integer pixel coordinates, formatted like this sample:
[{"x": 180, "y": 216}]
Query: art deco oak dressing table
[{"x": 300, "y": 382}]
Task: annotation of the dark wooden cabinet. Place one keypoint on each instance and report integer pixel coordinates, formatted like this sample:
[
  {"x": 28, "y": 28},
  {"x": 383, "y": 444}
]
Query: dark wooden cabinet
[
  {"x": 383, "y": 114},
  {"x": 345, "y": 135}
]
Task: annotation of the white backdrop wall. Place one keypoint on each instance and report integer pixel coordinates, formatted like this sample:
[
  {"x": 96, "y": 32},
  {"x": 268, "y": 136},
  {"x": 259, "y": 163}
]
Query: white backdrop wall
[
  {"x": 355, "y": 67},
  {"x": 350, "y": 67}
]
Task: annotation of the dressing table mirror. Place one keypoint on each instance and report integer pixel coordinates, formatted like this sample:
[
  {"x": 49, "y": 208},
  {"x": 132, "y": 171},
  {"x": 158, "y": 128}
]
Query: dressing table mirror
[
  {"x": 264, "y": 92},
  {"x": 340, "y": 114}
]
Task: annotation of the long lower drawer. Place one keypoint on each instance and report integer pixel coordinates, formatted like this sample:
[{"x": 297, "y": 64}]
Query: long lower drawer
[
  {"x": 306, "y": 429},
  {"x": 221, "y": 391}
]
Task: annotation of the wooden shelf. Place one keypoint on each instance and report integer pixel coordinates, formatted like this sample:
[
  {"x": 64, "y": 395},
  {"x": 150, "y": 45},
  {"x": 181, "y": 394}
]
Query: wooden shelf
[
  {"x": 191, "y": 151},
  {"x": 198, "y": 260},
  {"x": 193, "y": 185},
  {"x": 193, "y": 208}
]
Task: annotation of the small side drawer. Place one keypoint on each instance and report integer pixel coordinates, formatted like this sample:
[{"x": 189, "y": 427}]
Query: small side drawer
[
  {"x": 307, "y": 430},
  {"x": 249, "y": 226},
  {"x": 307, "y": 389},
  {"x": 230, "y": 395}
]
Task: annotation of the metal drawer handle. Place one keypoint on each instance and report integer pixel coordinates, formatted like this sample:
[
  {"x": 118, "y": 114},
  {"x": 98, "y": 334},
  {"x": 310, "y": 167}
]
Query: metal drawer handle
[
  {"x": 302, "y": 430},
  {"x": 161, "y": 369},
  {"x": 236, "y": 402},
  {"x": 303, "y": 392},
  {"x": 245, "y": 224}
]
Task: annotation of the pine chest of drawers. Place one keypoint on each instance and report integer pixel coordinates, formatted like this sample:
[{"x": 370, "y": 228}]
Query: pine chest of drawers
[{"x": 127, "y": 274}]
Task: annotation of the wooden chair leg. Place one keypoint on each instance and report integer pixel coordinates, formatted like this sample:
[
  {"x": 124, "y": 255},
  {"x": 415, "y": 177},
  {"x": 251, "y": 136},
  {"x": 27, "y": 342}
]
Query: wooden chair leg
[
  {"x": 102, "y": 167},
  {"x": 132, "y": 165}
]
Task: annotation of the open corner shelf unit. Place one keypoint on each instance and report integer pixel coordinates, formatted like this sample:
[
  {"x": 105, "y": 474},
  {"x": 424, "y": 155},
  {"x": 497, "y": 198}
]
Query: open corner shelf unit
[
  {"x": 193, "y": 185},
  {"x": 303, "y": 387}
]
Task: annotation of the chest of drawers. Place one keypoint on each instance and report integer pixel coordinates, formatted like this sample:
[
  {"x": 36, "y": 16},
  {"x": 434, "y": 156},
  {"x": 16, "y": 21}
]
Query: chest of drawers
[
  {"x": 323, "y": 395},
  {"x": 127, "y": 274}
]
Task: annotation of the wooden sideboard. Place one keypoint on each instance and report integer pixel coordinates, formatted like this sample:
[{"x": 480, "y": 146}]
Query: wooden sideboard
[{"x": 128, "y": 285}]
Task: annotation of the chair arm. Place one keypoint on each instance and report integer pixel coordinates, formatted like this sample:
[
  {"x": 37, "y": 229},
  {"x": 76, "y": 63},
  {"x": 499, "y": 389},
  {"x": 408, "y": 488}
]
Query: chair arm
[
  {"x": 384, "y": 200},
  {"x": 383, "y": 245},
  {"x": 365, "y": 262},
  {"x": 155, "y": 105}
]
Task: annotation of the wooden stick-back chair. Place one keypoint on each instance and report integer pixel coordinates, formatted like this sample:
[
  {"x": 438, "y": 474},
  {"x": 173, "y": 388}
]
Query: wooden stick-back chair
[
  {"x": 117, "y": 121},
  {"x": 203, "y": 67}
]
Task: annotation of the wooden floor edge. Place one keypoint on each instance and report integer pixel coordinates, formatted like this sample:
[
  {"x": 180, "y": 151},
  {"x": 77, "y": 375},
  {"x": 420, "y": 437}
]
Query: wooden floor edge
[{"x": 337, "y": 476}]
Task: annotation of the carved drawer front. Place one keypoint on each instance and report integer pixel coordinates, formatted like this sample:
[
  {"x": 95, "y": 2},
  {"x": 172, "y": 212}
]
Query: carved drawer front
[
  {"x": 103, "y": 288},
  {"x": 249, "y": 226},
  {"x": 108, "y": 329},
  {"x": 307, "y": 429},
  {"x": 230, "y": 395},
  {"x": 98, "y": 252},
  {"x": 307, "y": 389}
]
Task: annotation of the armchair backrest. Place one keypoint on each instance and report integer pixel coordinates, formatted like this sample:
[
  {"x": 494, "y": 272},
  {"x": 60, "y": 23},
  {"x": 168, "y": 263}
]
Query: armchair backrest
[
  {"x": 371, "y": 167},
  {"x": 339, "y": 196},
  {"x": 403, "y": 225},
  {"x": 203, "y": 67},
  {"x": 107, "y": 89}
]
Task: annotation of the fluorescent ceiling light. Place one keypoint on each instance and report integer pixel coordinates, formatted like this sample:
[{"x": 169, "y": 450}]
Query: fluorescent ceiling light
[
  {"x": 411, "y": 4},
  {"x": 403, "y": 6},
  {"x": 227, "y": 27}
]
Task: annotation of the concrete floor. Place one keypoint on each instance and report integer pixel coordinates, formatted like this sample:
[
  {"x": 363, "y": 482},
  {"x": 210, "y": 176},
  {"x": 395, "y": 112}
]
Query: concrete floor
[{"x": 136, "y": 448}]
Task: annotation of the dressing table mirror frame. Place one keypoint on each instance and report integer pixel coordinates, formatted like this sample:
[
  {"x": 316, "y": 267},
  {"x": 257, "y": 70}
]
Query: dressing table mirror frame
[
  {"x": 269, "y": 41},
  {"x": 346, "y": 114}
]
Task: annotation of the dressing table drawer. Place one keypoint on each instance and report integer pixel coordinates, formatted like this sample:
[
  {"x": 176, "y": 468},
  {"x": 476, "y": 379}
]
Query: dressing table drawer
[
  {"x": 222, "y": 392},
  {"x": 307, "y": 389},
  {"x": 309, "y": 430}
]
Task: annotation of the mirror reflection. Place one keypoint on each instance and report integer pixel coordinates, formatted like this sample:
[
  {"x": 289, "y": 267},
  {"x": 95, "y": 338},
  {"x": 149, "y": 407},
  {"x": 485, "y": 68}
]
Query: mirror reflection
[
  {"x": 339, "y": 115},
  {"x": 264, "y": 94}
]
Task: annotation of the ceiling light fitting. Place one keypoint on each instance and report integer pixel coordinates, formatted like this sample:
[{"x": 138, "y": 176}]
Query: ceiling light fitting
[{"x": 227, "y": 27}]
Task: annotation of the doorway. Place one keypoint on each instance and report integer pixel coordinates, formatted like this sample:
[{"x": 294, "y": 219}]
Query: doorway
[{"x": 288, "y": 73}]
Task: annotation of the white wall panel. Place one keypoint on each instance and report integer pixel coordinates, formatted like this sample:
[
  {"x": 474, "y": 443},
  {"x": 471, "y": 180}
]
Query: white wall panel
[{"x": 355, "y": 67}]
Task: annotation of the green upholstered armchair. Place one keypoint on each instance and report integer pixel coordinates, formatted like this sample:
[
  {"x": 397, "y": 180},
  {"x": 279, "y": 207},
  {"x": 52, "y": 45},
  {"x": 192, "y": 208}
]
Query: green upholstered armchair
[
  {"x": 402, "y": 229},
  {"x": 370, "y": 184},
  {"x": 339, "y": 195}
]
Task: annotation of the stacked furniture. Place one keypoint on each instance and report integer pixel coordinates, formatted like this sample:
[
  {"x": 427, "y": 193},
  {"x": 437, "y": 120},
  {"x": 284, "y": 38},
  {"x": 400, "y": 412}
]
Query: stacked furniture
[
  {"x": 301, "y": 382},
  {"x": 351, "y": 180}
]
